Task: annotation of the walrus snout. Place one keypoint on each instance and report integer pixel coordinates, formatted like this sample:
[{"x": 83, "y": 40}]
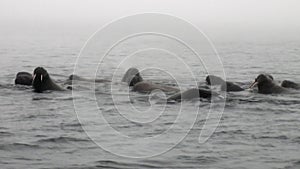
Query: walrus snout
[
  {"x": 40, "y": 74},
  {"x": 40, "y": 77}
]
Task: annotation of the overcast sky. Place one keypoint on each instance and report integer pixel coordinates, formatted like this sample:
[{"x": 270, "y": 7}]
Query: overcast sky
[
  {"x": 255, "y": 11},
  {"x": 258, "y": 14}
]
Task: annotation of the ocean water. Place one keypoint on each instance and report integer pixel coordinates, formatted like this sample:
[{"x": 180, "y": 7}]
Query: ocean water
[{"x": 42, "y": 130}]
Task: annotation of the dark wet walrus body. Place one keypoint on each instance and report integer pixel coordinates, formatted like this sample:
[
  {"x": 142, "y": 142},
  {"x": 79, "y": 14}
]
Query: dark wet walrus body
[
  {"x": 23, "y": 78},
  {"x": 266, "y": 85},
  {"x": 214, "y": 80},
  {"x": 78, "y": 78},
  {"x": 146, "y": 87},
  {"x": 192, "y": 94},
  {"x": 231, "y": 87},
  {"x": 290, "y": 84},
  {"x": 225, "y": 85},
  {"x": 42, "y": 81}
]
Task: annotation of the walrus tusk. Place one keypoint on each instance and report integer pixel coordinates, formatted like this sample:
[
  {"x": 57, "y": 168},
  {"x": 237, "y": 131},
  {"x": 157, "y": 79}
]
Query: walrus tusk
[
  {"x": 41, "y": 78},
  {"x": 33, "y": 77},
  {"x": 253, "y": 84}
]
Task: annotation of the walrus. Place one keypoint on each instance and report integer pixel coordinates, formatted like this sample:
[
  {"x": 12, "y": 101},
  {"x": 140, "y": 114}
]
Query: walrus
[
  {"x": 214, "y": 80},
  {"x": 266, "y": 85},
  {"x": 225, "y": 85},
  {"x": 42, "y": 81},
  {"x": 231, "y": 87},
  {"x": 23, "y": 78},
  {"x": 270, "y": 76},
  {"x": 132, "y": 76},
  {"x": 290, "y": 84},
  {"x": 78, "y": 78},
  {"x": 192, "y": 94},
  {"x": 146, "y": 87}
]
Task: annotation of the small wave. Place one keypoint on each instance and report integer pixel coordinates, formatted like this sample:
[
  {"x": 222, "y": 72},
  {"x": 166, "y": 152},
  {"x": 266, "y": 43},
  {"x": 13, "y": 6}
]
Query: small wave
[
  {"x": 267, "y": 145},
  {"x": 76, "y": 126},
  {"x": 72, "y": 124},
  {"x": 296, "y": 140},
  {"x": 297, "y": 163},
  {"x": 281, "y": 137},
  {"x": 22, "y": 87},
  {"x": 41, "y": 98},
  {"x": 27, "y": 159},
  {"x": 199, "y": 159},
  {"x": 17, "y": 146},
  {"x": 294, "y": 165},
  {"x": 260, "y": 98},
  {"x": 59, "y": 75},
  {"x": 114, "y": 164},
  {"x": 6, "y": 86},
  {"x": 229, "y": 132},
  {"x": 5, "y": 134},
  {"x": 61, "y": 140},
  {"x": 65, "y": 98},
  {"x": 37, "y": 98}
]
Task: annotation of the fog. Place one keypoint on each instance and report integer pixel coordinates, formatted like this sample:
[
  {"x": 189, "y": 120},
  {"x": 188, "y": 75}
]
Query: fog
[{"x": 266, "y": 17}]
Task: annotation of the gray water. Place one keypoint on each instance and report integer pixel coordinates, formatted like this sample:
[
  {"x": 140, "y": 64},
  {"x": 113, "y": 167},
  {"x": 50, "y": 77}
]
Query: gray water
[{"x": 41, "y": 130}]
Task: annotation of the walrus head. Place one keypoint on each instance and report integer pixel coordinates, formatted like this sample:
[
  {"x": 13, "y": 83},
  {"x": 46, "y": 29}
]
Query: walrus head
[
  {"x": 40, "y": 79},
  {"x": 261, "y": 80},
  {"x": 23, "y": 78},
  {"x": 132, "y": 77},
  {"x": 265, "y": 84}
]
